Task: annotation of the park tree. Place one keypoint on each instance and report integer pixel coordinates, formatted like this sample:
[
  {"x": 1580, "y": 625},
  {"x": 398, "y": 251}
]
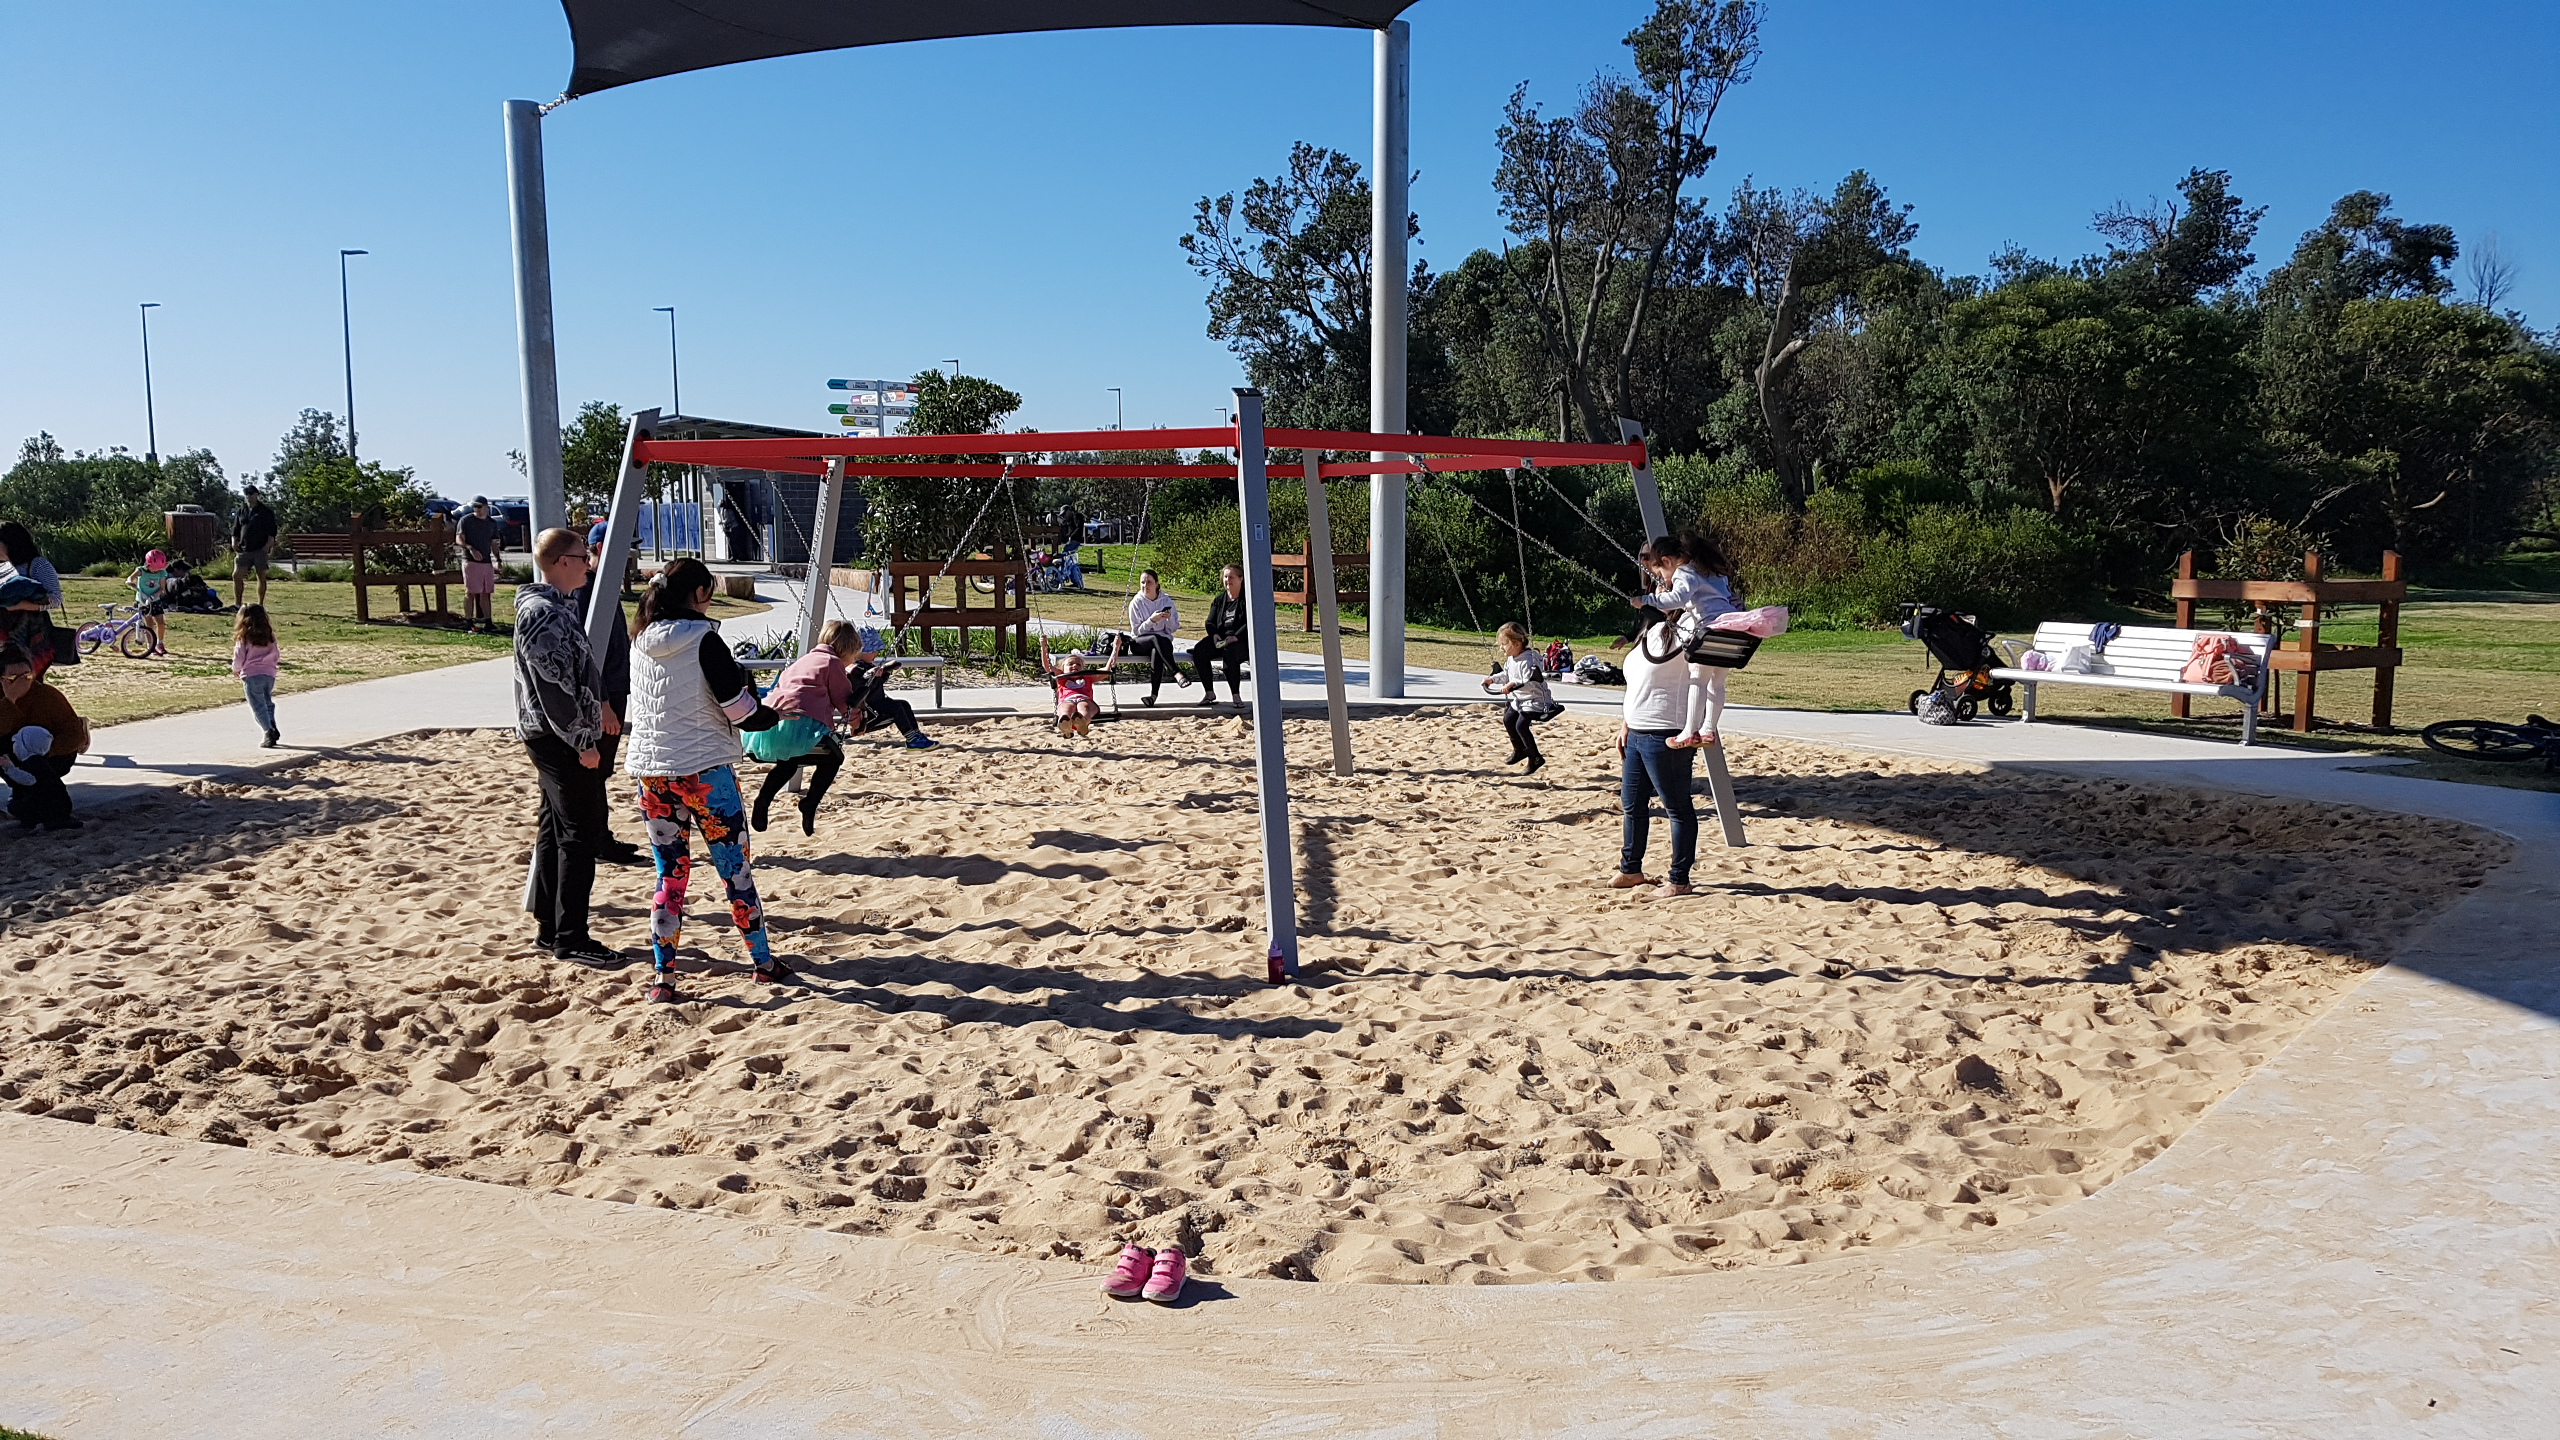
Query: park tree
[
  {"x": 1599, "y": 198},
  {"x": 591, "y": 455},
  {"x": 1288, "y": 267},
  {"x": 920, "y": 516}
]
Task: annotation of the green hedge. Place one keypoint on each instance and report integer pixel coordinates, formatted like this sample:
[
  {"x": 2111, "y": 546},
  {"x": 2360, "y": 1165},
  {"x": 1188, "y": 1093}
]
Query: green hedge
[{"x": 76, "y": 546}]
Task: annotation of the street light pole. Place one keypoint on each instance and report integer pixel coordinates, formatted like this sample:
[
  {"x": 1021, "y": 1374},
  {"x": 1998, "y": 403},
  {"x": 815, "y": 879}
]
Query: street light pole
[
  {"x": 1119, "y": 410},
  {"x": 347, "y": 337},
  {"x": 955, "y": 368},
  {"x": 150, "y": 416},
  {"x": 675, "y": 378}
]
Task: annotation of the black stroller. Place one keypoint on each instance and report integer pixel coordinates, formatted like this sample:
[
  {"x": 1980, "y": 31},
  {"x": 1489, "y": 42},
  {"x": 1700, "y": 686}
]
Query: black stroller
[{"x": 1965, "y": 659}]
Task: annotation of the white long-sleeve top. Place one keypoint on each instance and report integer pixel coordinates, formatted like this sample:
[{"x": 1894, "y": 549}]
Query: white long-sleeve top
[
  {"x": 1657, "y": 692},
  {"x": 1154, "y": 617},
  {"x": 1704, "y": 596}
]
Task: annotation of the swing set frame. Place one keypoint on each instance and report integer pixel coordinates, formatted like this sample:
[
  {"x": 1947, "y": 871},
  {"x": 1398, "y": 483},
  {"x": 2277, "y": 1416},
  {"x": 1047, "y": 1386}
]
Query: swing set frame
[{"x": 1029, "y": 455}]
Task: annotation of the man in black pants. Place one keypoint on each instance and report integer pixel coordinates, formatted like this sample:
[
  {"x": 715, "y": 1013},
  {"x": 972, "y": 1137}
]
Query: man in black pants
[
  {"x": 560, "y": 717},
  {"x": 1224, "y": 641},
  {"x": 617, "y": 701}
]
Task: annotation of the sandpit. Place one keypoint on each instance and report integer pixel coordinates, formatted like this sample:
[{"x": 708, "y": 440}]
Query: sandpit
[{"x": 1928, "y": 999}]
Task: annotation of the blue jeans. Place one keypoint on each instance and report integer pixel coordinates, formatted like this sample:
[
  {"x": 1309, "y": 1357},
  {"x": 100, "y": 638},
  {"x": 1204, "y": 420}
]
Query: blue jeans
[
  {"x": 1654, "y": 771},
  {"x": 262, "y": 698}
]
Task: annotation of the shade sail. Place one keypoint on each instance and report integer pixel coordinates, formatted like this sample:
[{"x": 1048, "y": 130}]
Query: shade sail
[{"x": 620, "y": 41}]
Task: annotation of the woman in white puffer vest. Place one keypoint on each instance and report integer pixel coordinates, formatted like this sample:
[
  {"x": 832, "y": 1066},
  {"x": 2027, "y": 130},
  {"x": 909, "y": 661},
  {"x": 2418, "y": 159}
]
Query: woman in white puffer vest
[{"x": 689, "y": 700}]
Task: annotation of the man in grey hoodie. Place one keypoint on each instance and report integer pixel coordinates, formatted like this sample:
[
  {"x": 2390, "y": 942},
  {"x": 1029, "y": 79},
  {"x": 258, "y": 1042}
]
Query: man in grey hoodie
[{"x": 561, "y": 717}]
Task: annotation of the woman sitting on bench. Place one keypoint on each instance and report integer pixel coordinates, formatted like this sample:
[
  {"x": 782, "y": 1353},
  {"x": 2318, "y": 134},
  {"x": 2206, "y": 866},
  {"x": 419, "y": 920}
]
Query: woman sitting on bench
[
  {"x": 1224, "y": 641},
  {"x": 1153, "y": 622}
]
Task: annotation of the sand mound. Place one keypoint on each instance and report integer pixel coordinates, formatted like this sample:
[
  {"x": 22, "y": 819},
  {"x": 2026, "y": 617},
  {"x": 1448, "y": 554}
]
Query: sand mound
[{"x": 1928, "y": 998}]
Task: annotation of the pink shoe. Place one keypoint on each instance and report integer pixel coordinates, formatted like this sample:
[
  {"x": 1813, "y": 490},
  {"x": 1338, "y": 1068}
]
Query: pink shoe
[
  {"x": 1684, "y": 742},
  {"x": 1165, "y": 1286},
  {"x": 1136, "y": 1263}
]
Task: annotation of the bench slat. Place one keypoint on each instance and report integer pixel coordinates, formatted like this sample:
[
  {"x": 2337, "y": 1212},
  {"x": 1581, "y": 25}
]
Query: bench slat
[{"x": 2124, "y": 682}]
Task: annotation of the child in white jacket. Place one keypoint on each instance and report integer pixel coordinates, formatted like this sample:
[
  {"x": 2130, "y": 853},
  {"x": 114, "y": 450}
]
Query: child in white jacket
[{"x": 1697, "y": 587}]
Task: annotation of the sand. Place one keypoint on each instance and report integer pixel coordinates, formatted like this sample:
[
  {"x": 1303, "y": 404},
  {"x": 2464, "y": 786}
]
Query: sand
[{"x": 1928, "y": 999}]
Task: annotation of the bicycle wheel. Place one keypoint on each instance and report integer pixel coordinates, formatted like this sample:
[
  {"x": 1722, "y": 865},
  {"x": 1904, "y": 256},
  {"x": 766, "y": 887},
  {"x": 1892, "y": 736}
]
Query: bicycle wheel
[
  {"x": 136, "y": 642},
  {"x": 2482, "y": 740}
]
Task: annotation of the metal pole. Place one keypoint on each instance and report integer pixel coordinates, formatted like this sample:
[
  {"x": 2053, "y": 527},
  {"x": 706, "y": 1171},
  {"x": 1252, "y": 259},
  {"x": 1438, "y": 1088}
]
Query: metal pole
[
  {"x": 150, "y": 413},
  {"x": 1119, "y": 409},
  {"x": 1648, "y": 494},
  {"x": 347, "y": 335},
  {"x": 1389, "y": 209},
  {"x": 675, "y": 377},
  {"x": 1320, "y": 572},
  {"x": 822, "y": 555},
  {"x": 629, "y": 488},
  {"x": 528, "y": 215},
  {"x": 1270, "y": 747}
]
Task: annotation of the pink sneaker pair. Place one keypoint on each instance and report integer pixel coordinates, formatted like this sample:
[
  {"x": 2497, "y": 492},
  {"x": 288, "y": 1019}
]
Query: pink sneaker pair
[{"x": 1149, "y": 1274}]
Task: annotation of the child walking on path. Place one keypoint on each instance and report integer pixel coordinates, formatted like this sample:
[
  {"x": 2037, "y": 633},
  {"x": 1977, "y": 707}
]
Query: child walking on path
[
  {"x": 255, "y": 659},
  {"x": 1697, "y": 587},
  {"x": 1524, "y": 681}
]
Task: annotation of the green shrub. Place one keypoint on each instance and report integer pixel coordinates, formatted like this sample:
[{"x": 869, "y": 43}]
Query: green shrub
[
  {"x": 103, "y": 569},
  {"x": 1860, "y": 549},
  {"x": 80, "y": 544},
  {"x": 1192, "y": 550},
  {"x": 325, "y": 571}
]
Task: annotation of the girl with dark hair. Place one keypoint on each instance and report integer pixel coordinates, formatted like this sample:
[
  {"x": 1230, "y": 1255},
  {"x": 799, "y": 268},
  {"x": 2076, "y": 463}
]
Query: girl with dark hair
[
  {"x": 689, "y": 700},
  {"x": 1697, "y": 586}
]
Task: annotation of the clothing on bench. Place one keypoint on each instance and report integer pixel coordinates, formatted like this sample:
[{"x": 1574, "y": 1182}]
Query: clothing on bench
[{"x": 2140, "y": 657}]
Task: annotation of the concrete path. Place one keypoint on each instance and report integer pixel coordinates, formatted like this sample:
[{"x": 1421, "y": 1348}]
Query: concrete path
[{"x": 2363, "y": 1240}]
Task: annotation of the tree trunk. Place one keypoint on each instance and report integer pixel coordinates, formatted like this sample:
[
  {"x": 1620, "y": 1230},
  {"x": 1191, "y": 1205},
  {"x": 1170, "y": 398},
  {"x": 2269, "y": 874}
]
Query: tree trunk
[{"x": 1777, "y": 358}]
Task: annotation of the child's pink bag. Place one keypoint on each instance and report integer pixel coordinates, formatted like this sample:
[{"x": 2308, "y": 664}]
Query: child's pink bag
[{"x": 1767, "y": 621}]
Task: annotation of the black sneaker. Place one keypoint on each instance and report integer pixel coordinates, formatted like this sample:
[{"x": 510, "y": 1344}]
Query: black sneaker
[
  {"x": 622, "y": 852},
  {"x": 586, "y": 952},
  {"x": 272, "y": 738},
  {"x": 763, "y": 815},
  {"x": 773, "y": 972},
  {"x": 1536, "y": 764}
]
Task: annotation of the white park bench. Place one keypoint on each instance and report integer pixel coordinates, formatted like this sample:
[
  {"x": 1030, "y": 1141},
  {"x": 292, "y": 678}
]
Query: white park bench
[{"x": 2140, "y": 657}]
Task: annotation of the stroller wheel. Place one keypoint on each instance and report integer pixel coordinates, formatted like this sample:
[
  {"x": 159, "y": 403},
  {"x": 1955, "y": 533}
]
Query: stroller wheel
[
  {"x": 1966, "y": 709},
  {"x": 2001, "y": 704},
  {"x": 1916, "y": 697}
]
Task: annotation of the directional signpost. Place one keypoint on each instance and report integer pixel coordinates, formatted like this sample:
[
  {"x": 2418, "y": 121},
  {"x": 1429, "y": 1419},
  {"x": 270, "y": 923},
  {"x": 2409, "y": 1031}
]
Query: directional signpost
[{"x": 871, "y": 408}]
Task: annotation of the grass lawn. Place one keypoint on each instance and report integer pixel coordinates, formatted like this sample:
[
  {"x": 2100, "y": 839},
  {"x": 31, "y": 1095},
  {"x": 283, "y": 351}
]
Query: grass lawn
[
  {"x": 315, "y": 628},
  {"x": 2474, "y": 654}
]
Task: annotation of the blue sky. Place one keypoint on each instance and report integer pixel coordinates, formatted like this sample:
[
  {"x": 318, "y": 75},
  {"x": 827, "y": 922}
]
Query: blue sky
[{"x": 1014, "y": 201}]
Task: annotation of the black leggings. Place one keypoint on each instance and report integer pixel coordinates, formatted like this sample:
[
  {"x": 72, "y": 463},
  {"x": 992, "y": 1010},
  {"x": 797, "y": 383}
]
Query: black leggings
[
  {"x": 1161, "y": 666},
  {"x": 823, "y": 764},
  {"x": 1229, "y": 653},
  {"x": 1517, "y": 724}
]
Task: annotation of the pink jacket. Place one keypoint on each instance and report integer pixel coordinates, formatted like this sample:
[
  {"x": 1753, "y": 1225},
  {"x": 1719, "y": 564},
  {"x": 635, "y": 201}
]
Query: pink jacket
[
  {"x": 248, "y": 660},
  {"x": 814, "y": 685}
]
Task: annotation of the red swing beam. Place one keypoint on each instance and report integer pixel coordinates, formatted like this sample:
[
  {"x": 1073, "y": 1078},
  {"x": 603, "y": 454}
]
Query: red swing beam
[{"x": 1426, "y": 454}]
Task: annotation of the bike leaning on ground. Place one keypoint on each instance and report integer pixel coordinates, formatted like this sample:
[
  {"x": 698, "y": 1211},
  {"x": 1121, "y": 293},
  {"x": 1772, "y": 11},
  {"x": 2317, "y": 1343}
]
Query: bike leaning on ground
[{"x": 2535, "y": 739}]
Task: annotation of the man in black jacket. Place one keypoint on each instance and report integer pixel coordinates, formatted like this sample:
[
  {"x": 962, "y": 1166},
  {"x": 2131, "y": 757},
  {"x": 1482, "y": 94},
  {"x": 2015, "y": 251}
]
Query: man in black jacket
[
  {"x": 561, "y": 717},
  {"x": 1224, "y": 641},
  {"x": 253, "y": 538}
]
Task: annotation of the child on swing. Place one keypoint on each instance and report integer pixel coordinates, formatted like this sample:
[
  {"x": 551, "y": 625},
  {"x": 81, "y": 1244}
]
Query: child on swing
[
  {"x": 1524, "y": 683},
  {"x": 1697, "y": 587},
  {"x": 1077, "y": 709}
]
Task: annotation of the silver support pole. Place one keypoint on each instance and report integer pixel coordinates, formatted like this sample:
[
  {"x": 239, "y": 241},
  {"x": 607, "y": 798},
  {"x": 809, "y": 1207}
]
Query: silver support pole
[
  {"x": 1648, "y": 494},
  {"x": 1389, "y": 208},
  {"x": 1337, "y": 708},
  {"x": 630, "y": 488},
  {"x": 1270, "y": 746},
  {"x": 822, "y": 555},
  {"x": 1720, "y": 790},
  {"x": 529, "y": 215}
]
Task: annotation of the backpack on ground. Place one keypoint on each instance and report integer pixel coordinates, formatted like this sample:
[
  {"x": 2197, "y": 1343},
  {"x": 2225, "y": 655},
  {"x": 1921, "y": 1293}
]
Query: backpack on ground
[
  {"x": 1592, "y": 670},
  {"x": 1938, "y": 707}
]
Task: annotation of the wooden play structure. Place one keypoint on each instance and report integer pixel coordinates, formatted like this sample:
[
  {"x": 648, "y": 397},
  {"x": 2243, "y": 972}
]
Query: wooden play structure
[
  {"x": 1302, "y": 594},
  {"x": 2302, "y": 654},
  {"x": 436, "y": 540},
  {"x": 915, "y": 612}
]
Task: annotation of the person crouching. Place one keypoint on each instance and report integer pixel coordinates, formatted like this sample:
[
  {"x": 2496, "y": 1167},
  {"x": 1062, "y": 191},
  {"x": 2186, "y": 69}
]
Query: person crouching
[{"x": 40, "y": 736}]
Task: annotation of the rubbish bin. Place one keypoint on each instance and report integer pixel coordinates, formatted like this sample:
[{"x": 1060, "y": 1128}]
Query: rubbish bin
[{"x": 194, "y": 532}]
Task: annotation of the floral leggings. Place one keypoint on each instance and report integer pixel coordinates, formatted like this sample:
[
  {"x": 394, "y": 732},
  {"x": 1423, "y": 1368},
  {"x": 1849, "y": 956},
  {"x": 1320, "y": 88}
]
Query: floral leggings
[{"x": 671, "y": 804}]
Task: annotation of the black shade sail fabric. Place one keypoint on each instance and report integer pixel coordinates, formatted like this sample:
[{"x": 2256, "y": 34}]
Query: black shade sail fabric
[{"x": 620, "y": 41}]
